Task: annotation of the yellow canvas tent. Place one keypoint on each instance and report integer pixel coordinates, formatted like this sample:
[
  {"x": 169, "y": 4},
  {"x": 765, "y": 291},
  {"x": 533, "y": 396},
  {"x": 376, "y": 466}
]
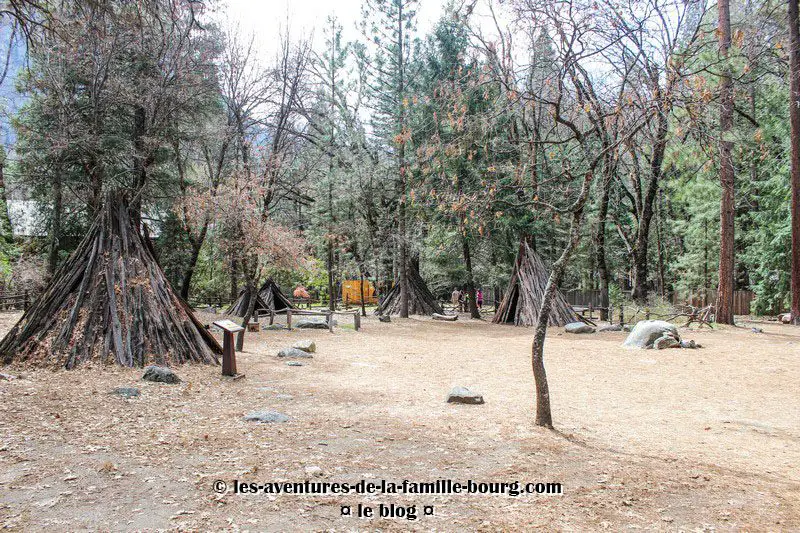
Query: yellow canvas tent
[{"x": 351, "y": 292}]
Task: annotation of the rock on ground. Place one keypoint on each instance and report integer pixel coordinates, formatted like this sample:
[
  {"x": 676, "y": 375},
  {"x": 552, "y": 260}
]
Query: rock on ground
[
  {"x": 578, "y": 327},
  {"x": 160, "y": 374},
  {"x": 665, "y": 342},
  {"x": 385, "y": 318},
  {"x": 306, "y": 345},
  {"x": 126, "y": 392},
  {"x": 646, "y": 332},
  {"x": 266, "y": 417},
  {"x": 464, "y": 395},
  {"x": 610, "y": 327},
  {"x": 313, "y": 323},
  {"x": 294, "y": 353},
  {"x": 294, "y": 363},
  {"x": 314, "y": 471},
  {"x": 689, "y": 344},
  {"x": 275, "y": 327}
]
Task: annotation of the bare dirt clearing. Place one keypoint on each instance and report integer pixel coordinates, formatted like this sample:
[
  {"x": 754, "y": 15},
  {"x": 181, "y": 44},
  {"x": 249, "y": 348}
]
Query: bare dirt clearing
[{"x": 665, "y": 440}]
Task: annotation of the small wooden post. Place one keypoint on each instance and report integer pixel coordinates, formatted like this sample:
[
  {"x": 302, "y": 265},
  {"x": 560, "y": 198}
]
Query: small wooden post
[
  {"x": 591, "y": 309},
  {"x": 330, "y": 321},
  {"x": 356, "y": 321},
  {"x": 621, "y": 314},
  {"x": 25, "y": 301},
  {"x": 289, "y": 318},
  {"x": 271, "y": 316},
  {"x": 229, "y": 347}
]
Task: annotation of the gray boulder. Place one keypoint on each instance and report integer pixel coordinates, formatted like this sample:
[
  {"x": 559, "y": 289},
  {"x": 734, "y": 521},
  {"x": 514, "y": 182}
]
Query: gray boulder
[
  {"x": 646, "y": 332},
  {"x": 662, "y": 343},
  {"x": 305, "y": 345},
  {"x": 160, "y": 374},
  {"x": 294, "y": 353},
  {"x": 610, "y": 327},
  {"x": 385, "y": 318},
  {"x": 578, "y": 327},
  {"x": 464, "y": 395},
  {"x": 266, "y": 417},
  {"x": 294, "y": 363},
  {"x": 313, "y": 323},
  {"x": 126, "y": 392},
  {"x": 689, "y": 344},
  {"x": 274, "y": 327}
]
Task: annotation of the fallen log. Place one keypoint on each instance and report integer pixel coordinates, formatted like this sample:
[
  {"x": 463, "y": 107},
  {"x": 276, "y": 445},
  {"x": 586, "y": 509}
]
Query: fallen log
[{"x": 448, "y": 318}]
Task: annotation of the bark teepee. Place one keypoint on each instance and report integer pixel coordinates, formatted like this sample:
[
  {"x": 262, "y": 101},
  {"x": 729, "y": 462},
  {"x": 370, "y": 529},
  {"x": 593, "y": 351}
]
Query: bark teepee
[
  {"x": 269, "y": 298},
  {"x": 420, "y": 299},
  {"x": 520, "y": 305},
  {"x": 111, "y": 303}
]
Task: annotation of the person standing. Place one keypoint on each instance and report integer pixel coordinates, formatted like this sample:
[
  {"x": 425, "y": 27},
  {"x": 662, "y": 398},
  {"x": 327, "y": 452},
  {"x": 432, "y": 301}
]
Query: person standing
[
  {"x": 455, "y": 298},
  {"x": 479, "y": 298}
]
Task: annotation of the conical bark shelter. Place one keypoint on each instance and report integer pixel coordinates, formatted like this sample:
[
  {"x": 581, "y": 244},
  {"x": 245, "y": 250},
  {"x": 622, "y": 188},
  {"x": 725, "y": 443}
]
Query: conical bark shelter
[
  {"x": 269, "y": 298},
  {"x": 420, "y": 299},
  {"x": 110, "y": 302},
  {"x": 520, "y": 305}
]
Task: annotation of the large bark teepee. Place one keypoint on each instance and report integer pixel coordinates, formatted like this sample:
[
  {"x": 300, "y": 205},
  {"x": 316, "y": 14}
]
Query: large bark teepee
[
  {"x": 269, "y": 298},
  {"x": 110, "y": 303},
  {"x": 520, "y": 305},
  {"x": 420, "y": 299}
]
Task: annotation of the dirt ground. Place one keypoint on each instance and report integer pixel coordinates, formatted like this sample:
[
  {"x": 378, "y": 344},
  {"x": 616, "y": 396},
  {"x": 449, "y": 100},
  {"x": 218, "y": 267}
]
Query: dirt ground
[{"x": 658, "y": 440}]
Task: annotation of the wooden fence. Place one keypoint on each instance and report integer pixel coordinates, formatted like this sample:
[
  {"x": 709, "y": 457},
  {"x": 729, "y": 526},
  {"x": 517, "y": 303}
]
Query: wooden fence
[
  {"x": 585, "y": 298},
  {"x": 700, "y": 298},
  {"x": 16, "y": 301}
]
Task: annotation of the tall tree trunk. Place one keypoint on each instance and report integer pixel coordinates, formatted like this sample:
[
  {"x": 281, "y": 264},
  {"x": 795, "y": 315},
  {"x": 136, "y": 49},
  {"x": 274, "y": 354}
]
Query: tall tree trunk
[
  {"x": 361, "y": 288},
  {"x": 234, "y": 288},
  {"x": 641, "y": 286},
  {"x": 724, "y": 306},
  {"x": 252, "y": 291},
  {"x": 331, "y": 283},
  {"x": 186, "y": 282},
  {"x": 794, "y": 116},
  {"x": 600, "y": 239},
  {"x": 5, "y": 220},
  {"x": 474, "y": 312},
  {"x": 139, "y": 165},
  {"x": 401, "y": 160},
  {"x": 55, "y": 228}
]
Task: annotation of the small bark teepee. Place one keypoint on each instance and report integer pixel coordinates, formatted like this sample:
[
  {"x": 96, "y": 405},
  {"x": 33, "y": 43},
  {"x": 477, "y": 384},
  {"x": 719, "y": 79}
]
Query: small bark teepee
[
  {"x": 110, "y": 302},
  {"x": 269, "y": 298},
  {"x": 420, "y": 299},
  {"x": 520, "y": 305}
]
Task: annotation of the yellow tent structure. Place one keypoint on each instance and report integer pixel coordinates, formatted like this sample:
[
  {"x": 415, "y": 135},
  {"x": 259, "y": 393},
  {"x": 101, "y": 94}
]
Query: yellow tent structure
[{"x": 351, "y": 292}]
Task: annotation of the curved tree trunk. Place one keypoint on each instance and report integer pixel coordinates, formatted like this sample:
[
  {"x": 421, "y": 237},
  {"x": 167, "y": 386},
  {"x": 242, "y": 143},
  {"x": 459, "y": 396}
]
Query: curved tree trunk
[{"x": 544, "y": 415}]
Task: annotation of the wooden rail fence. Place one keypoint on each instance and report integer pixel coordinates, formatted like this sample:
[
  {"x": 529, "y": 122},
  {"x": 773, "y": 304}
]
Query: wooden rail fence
[
  {"x": 16, "y": 301},
  {"x": 700, "y": 298}
]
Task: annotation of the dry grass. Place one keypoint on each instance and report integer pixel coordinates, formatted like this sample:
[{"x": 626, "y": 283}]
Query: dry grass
[{"x": 680, "y": 439}]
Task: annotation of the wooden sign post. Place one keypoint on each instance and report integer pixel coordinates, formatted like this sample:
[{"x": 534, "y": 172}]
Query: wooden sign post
[{"x": 228, "y": 347}]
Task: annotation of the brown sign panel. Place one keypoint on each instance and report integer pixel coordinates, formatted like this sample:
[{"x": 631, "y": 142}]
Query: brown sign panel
[{"x": 229, "y": 326}]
